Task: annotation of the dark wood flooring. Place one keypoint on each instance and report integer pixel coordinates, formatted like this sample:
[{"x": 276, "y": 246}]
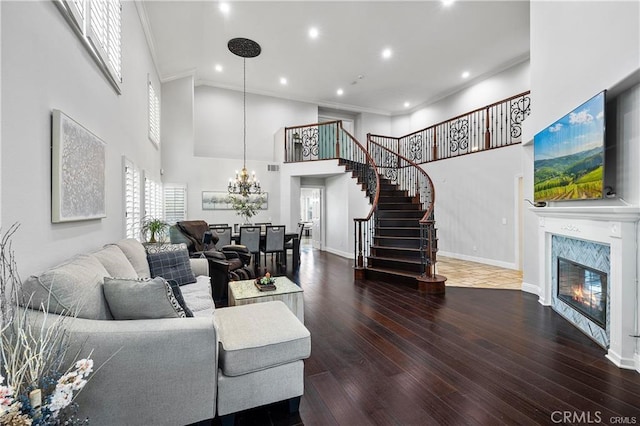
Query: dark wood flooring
[{"x": 386, "y": 355}]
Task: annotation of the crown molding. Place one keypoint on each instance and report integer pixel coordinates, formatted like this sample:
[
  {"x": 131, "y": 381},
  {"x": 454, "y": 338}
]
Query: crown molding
[{"x": 148, "y": 35}]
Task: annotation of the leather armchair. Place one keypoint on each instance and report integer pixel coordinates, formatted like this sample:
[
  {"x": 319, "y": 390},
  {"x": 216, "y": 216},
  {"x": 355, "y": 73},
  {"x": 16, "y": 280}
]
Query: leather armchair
[{"x": 226, "y": 264}]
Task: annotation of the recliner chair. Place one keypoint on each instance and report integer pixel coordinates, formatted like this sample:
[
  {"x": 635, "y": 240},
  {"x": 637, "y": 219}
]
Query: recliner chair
[{"x": 225, "y": 264}]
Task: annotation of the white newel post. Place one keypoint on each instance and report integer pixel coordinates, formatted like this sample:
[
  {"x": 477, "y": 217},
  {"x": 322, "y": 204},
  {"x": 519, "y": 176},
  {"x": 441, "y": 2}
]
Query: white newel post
[{"x": 615, "y": 227}]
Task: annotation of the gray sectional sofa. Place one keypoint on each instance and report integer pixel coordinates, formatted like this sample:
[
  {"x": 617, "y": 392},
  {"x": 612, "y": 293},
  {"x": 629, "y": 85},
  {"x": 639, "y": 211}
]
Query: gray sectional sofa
[{"x": 158, "y": 366}]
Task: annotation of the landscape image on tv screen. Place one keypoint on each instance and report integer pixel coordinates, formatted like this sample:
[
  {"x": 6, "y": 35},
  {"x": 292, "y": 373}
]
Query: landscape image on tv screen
[{"x": 569, "y": 155}]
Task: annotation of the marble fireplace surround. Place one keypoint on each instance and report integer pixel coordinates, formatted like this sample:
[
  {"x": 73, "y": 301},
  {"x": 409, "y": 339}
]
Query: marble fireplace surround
[{"x": 617, "y": 228}]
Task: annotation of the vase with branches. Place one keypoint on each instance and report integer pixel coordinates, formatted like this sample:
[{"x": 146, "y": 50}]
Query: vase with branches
[
  {"x": 36, "y": 388},
  {"x": 246, "y": 206}
]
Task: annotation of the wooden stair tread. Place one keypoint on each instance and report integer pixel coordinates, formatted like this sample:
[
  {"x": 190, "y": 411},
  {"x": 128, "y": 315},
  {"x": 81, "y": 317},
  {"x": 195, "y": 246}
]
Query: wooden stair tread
[
  {"x": 397, "y": 272},
  {"x": 395, "y": 259}
]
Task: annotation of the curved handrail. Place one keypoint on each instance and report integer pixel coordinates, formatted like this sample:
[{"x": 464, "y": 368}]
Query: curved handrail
[
  {"x": 374, "y": 203},
  {"x": 430, "y": 203}
]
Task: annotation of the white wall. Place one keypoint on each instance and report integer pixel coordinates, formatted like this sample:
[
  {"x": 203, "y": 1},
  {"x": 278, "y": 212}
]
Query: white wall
[
  {"x": 344, "y": 202},
  {"x": 45, "y": 67},
  {"x": 476, "y": 206},
  {"x": 202, "y": 139},
  {"x": 372, "y": 123},
  {"x": 500, "y": 86},
  {"x": 219, "y": 122},
  {"x": 577, "y": 50}
]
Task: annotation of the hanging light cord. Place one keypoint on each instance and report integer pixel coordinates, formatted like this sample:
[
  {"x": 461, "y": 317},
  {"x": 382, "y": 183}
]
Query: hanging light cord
[{"x": 244, "y": 112}]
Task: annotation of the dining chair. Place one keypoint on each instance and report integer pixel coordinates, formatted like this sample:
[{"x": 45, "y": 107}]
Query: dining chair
[
  {"x": 224, "y": 235},
  {"x": 250, "y": 238},
  {"x": 262, "y": 225},
  {"x": 218, "y": 225},
  {"x": 290, "y": 245},
  {"x": 274, "y": 243}
]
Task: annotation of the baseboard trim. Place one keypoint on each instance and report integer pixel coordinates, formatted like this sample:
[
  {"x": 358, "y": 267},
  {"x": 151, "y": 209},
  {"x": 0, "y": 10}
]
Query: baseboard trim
[
  {"x": 531, "y": 288},
  {"x": 492, "y": 262},
  {"x": 339, "y": 253},
  {"x": 626, "y": 363}
]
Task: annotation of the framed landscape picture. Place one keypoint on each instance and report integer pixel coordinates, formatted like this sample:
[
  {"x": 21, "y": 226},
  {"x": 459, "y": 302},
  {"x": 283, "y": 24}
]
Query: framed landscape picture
[{"x": 77, "y": 172}]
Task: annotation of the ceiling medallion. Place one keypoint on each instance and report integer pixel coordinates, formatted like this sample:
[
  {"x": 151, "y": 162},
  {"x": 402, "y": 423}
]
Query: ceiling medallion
[{"x": 244, "y": 47}]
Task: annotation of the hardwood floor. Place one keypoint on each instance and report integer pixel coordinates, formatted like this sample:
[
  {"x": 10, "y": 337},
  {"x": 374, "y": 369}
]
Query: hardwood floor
[{"x": 385, "y": 355}]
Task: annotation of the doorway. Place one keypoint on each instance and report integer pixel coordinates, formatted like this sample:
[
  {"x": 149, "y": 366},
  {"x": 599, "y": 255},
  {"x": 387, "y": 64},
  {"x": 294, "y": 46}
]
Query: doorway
[{"x": 311, "y": 216}]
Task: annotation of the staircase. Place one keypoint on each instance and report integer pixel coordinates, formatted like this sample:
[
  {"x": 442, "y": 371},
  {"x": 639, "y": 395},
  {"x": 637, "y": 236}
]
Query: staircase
[{"x": 395, "y": 253}]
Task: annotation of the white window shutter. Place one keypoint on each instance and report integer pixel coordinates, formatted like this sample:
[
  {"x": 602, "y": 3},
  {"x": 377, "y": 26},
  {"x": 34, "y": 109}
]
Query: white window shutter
[
  {"x": 175, "y": 203},
  {"x": 132, "y": 200},
  {"x": 154, "y": 114}
]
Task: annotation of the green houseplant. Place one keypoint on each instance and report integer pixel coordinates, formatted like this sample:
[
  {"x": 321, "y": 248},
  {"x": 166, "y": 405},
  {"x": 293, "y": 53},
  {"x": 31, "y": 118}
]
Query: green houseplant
[{"x": 154, "y": 227}]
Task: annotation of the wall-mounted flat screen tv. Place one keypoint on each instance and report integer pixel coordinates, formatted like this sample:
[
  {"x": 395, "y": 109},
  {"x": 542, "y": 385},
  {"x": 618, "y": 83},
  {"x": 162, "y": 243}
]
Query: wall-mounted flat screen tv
[{"x": 569, "y": 155}]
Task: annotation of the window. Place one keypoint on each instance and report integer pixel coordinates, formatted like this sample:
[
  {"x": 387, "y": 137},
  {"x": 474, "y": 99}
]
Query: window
[
  {"x": 154, "y": 115},
  {"x": 98, "y": 25},
  {"x": 132, "y": 211},
  {"x": 175, "y": 203},
  {"x": 152, "y": 199}
]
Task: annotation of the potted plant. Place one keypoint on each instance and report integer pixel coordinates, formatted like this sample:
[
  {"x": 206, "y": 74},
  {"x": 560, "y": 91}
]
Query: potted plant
[
  {"x": 246, "y": 206},
  {"x": 154, "y": 227}
]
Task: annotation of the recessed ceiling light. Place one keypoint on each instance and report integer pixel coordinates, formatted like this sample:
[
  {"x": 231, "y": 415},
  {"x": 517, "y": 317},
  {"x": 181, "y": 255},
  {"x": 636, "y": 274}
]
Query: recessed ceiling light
[
  {"x": 224, "y": 7},
  {"x": 386, "y": 53},
  {"x": 447, "y": 3},
  {"x": 283, "y": 81},
  {"x": 313, "y": 32},
  {"x": 407, "y": 104},
  {"x": 340, "y": 92},
  {"x": 465, "y": 74},
  {"x": 218, "y": 68}
]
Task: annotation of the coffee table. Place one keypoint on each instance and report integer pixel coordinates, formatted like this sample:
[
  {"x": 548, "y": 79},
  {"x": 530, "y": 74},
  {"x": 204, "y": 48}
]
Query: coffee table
[{"x": 245, "y": 292}]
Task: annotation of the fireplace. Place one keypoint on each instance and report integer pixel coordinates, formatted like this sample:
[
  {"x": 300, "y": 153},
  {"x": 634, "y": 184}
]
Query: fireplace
[{"x": 584, "y": 289}]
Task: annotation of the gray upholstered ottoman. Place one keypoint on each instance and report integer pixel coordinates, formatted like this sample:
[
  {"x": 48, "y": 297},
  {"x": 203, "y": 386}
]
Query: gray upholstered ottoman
[{"x": 260, "y": 357}]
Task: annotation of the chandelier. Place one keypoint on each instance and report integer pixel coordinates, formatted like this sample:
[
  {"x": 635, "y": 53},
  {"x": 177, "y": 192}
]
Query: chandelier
[{"x": 244, "y": 184}]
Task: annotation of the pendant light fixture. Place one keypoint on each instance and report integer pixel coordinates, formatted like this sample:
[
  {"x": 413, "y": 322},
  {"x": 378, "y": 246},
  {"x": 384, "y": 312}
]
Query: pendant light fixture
[{"x": 243, "y": 184}]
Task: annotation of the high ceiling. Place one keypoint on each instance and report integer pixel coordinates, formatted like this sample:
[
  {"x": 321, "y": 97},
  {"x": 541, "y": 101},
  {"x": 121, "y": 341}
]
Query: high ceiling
[{"x": 431, "y": 46}]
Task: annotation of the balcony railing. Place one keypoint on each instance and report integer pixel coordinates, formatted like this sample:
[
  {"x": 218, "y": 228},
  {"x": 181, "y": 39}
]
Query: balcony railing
[{"x": 493, "y": 126}]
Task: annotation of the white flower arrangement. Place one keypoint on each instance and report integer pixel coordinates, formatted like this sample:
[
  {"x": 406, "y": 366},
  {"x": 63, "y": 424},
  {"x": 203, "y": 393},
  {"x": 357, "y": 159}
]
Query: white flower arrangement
[{"x": 32, "y": 353}]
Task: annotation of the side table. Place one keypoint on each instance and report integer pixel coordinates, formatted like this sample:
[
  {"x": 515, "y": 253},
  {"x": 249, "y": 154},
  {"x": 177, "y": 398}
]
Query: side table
[{"x": 245, "y": 293}]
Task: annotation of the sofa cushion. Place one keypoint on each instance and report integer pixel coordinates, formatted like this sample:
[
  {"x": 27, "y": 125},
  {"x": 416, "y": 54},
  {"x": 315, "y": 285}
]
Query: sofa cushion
[
  {"x": 198, "y": 298},
  {"x": 172, "y": 265},
  {"x": 115, "y": 262},
  {"x": 136, "y": 254},
  {"x": 259, "y": 336},
  {"x": 72, "y": 288},
  {"x": 142, "y": 298}
]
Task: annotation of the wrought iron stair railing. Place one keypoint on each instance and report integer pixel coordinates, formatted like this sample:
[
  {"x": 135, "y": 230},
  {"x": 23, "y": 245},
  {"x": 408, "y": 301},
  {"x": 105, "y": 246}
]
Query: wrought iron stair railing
[
  {"x": 493, "y": 126},
  {"x": 416, "y": 183}
]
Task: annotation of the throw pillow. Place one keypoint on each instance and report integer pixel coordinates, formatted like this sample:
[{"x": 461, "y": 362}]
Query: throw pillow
[
  {"x": 172, "y": 265},
  {"x": 177, "y": 293},
  {"x": 159, "y": 248},
  {"x": 131, "y": 299}
]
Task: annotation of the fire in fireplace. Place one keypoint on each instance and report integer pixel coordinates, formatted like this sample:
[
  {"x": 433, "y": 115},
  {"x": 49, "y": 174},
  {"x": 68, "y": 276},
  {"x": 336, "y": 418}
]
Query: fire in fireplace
[{"x": 584, "y": 289}]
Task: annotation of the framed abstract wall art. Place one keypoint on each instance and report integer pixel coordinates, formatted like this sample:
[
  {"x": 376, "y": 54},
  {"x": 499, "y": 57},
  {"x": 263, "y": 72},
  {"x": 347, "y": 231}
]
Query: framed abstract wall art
[{"x": 77, "y": 172}]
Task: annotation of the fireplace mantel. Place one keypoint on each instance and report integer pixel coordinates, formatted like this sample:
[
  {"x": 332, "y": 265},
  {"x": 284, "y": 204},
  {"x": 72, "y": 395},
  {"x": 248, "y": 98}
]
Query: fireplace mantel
[
  {"x": 614, "y": 213},
  {"x": 616, "y": 227}
]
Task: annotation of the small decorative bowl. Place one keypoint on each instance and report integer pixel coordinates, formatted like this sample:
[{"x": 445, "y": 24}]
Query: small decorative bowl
[{"x": 266, "y": 281}]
